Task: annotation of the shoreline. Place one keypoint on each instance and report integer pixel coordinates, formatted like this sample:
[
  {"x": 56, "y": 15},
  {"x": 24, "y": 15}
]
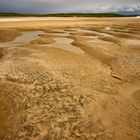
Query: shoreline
[{"x": 41, "y": 22}]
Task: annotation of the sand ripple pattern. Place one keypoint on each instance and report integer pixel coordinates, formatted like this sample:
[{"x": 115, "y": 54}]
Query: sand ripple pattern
[{"x": 50, "y": 93}]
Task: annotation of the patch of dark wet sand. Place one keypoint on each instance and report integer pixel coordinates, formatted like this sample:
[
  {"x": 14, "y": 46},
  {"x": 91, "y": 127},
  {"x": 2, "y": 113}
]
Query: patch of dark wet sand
[
  {"x": 136, "y": 95},
  {"x": 45, "y": 39},
  {"x": 1, "y": 53},
  {"x": 8, "y": 35}
]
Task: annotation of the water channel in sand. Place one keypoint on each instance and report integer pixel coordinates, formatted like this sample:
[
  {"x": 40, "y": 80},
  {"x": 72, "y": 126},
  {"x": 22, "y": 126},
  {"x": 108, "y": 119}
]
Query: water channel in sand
[
  {"x": 24, "y": 39},
  {"x": 65, "y": 43},
  {"x": 62, "y": 41}
]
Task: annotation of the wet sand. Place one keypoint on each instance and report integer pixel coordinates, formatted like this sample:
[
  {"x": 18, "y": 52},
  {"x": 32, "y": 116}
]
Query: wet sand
[{"x": 70, "y": 79}]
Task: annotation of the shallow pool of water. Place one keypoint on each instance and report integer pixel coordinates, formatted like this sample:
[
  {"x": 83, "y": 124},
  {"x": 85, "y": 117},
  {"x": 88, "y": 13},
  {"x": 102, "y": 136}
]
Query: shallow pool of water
[
  {"x": 65, "y": 43},
  {"x": 62, "y": 42},
  {"x": 25, "y": 38},
  {"x": 96, "y": 40},
  {"x": 94, "y": 32}
]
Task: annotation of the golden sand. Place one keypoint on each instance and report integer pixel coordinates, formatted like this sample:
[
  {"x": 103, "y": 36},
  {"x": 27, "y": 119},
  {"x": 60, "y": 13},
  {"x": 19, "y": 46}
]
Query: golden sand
[{"x": 78, "y": 79}]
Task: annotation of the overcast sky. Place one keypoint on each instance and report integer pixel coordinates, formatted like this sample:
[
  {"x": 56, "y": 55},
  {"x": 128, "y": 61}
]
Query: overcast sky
[{"x": 66, "y": 6}]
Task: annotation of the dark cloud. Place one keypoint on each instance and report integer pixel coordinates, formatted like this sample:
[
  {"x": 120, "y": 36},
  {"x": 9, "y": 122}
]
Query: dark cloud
[{"x": 61, "y": 6}]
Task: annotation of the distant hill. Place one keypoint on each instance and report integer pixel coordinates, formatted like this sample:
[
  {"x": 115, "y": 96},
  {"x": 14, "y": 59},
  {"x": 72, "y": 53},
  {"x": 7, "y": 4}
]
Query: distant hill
[{"x": 65, "y": 15}]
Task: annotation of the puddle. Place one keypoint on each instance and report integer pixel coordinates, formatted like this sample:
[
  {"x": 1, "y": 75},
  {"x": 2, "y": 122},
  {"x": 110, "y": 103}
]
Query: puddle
[
  {"x": 62, "y": 42},
  {"x": 65, "y": 44},
  {"x": 64, "y": 34},
  {"x": 94, "y": 39},
  {"x": 107, "y": 28},
  {"x": 83, "y": 30},
  {"x": 59, "y": 30},
  {"x": 25, "y": 38},
  {"x": 95, "y": 32},
  {"x": 133, "y": 42}
]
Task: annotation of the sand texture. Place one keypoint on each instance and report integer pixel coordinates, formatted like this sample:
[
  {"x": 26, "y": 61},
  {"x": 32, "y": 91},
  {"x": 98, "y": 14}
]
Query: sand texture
[{"x": 70, "y": 79}]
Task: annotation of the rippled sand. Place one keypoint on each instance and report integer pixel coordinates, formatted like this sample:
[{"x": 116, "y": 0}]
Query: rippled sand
[{"x": 74, "y": 79}]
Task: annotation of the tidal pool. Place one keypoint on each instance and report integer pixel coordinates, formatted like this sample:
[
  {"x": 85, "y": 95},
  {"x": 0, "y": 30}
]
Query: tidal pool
[
  {"x": 24, "y": 39},
  {"x": 65, "y": 43},
  {"x": 62, "y": 41}
]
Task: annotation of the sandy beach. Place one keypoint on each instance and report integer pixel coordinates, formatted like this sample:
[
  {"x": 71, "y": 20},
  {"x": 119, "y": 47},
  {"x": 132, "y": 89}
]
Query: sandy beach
[
  {"x": 70, "y": 78},
  {"x": 34, "y": 22}
]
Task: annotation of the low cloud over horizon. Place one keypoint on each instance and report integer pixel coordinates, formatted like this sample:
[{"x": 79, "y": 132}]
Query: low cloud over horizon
[{"x": 70, "y": 6}]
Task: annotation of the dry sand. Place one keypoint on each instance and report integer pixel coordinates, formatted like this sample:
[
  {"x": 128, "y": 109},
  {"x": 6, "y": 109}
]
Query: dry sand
[{"x": 78, "y": 80}]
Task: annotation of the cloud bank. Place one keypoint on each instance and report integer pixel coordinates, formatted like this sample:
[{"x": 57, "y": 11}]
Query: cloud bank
[{"x": 69, "y": 6}]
